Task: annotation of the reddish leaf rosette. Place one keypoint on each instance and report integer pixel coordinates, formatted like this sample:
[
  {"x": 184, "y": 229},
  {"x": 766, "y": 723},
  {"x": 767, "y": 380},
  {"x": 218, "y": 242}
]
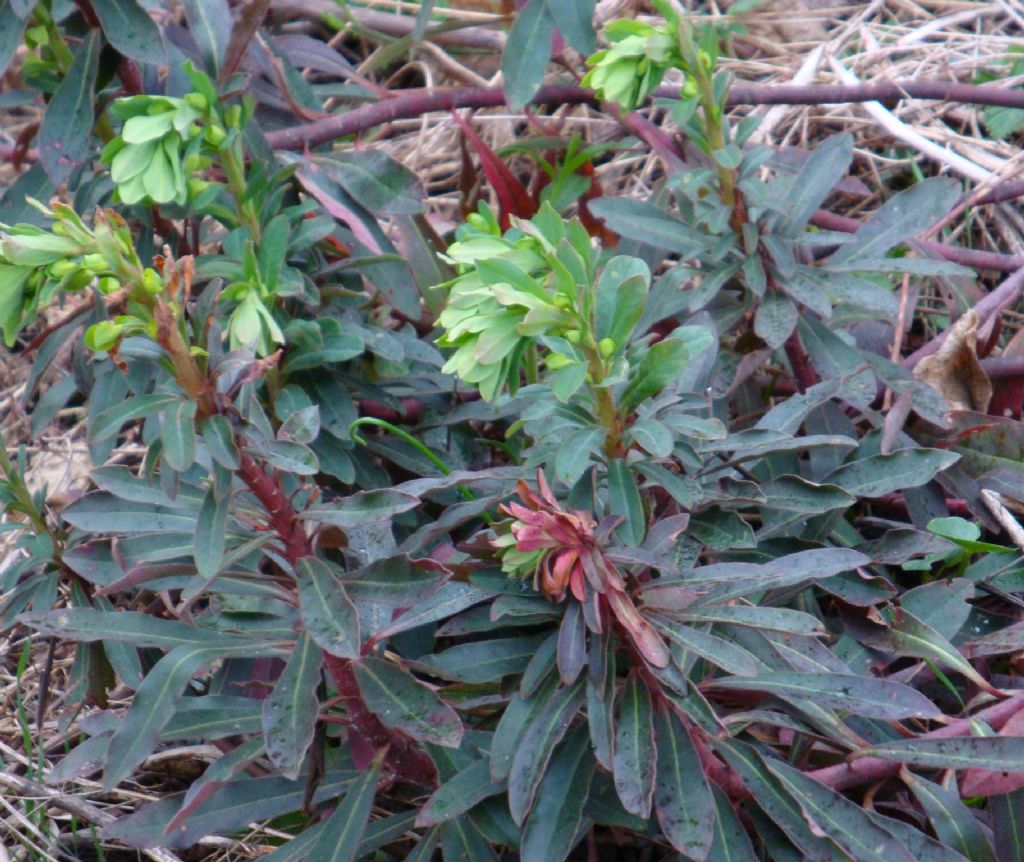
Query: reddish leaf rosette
[{"x": 563, "y": 550}]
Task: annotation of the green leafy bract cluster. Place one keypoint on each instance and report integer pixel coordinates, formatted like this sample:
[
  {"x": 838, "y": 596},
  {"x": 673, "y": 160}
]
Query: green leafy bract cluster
[
  {"x": 513, "y": 289},
  {"x": 165, "y": 140},
  {"x": 37, "y": 264}
]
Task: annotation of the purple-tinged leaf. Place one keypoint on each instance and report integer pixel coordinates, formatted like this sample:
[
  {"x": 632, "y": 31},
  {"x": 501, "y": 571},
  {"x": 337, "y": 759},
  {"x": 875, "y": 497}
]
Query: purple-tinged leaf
[
  {"x": 682, "y": 798},
  {"x": 635, "y": 759},
  {"x": 290, "y": 710},
  {"x": 536, "y": 746},
  {"x": 326, "y": 609},
  {"x": 342, "y": 834},
  {"x": 401, "y": 702},
  {"x": 572, "y": 644},
  {"x": 862, "y": 695},
  {"x": 551, "y": 829}
]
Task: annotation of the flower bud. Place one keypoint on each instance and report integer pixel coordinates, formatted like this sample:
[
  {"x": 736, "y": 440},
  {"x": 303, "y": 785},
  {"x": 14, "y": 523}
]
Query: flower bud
[
  {"x": 705, "y": 60},
  {"x": 215, "y": 135},
  {"x": 562, "y": 301},
  {"x": 196, "y": 187},
  {"x": 689, "y": 89},
  {"x": 60, "y": 268},
  {"x": 606, "y": 347},
  {"x": 108, "y": 285},
  {"x": 573, "y": 336},
  {"x": 76, "y": 280},
  {"x": 102, "y": 336},
  {"x": 558, "y": 360},
  {"x": 197, "y": 101},
  {"x": 152, "y": 283},
  {"x": 95, "y": 263}
]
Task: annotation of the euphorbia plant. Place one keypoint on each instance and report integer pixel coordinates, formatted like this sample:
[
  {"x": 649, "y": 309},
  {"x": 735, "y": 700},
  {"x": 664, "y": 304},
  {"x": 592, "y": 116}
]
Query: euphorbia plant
[{"x": 604, "y": 575}]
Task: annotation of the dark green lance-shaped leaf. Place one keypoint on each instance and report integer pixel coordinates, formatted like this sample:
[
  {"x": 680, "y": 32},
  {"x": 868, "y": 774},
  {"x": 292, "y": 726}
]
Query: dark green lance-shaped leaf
[
  {"x": 326, "y": 609},
  {"x": 731, "y": 843},
  {"x": 450, "y": 599},
  {"x": 220, "y": 440},
  {"x": 862, "y": 695},
  {"x": 209, "y": 22},
  {"x": 111, "y": 420},
  {"x": 621, "y": 294},
  {"x": 510, "y": 729},
  {"x": 796, "y": 494},
  {"x": 649, "y": 224},
  {"x": 12, "y": 26},
  {"x": 903, "y": 216},
  {"x": 575, "y": 21},
  {"x": 771, "y": 619},
  {"x": 290, "y": 710},
  {"x": 462, "y": 841},
  {"x": 682, "y": 798},
  {"x": 826, "y": 166},
  {"x": 953, "y": 822},
  {"x": 459, "y": 793},
  {"x": 129, "y": 28},
  {"x": 65, "y": 137},
  {"x": 178, "y": 435},
  {"x": 783, "y": 810},
  {"x": 484, "y": 661},
  {"x": 845, "y": 822},
  {"x": 912, "y": 637},
  {"x": 661, "y": 365},
  {"x": 736, "y": 579},
  {"x": 995, "y": 753},
  {"x": 624, "y": 500},
  {"x": 1008, "y": 825},
  {"x": 775, "y": 319},
  {"x": 101, "y": 512},
  {"x": 1009, "y": 639},
  {"x": 343, "y": 832},
  {"x": 572, "y": 644},
  {"x": 575, "y": 452},
  {"x": 153, "y": 705},
  {"x": 526, "y": 54},
  {"x": 291, "y": 457},
  {"x": 920, "y": 845},
  {"x": 125, "y": 485},
  {"x": 230, "y": 808},
  {"x": 144, "y": 630},
  {"x": 728, "y": 656},
  {"x": 375, "y": 180},
  {"x": 551, "y": 829},
  {"x": 882, "y": 474},
  {"x": 398, "y": 581},
  {"x": 601, "y": 697},
  {"x": 426, "y": 847},
  {"x": 536, "y": 746},
  {"x": 363, "y": 508},
  {"x": 635, "y": 761},
  {"x": 211, "y": 532},
  {"x": 402, "y": 702}
]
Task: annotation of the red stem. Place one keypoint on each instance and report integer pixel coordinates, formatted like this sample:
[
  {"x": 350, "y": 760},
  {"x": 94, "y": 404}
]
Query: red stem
[
  {"x": 803, "y": 370},
  {"x": 402, "y": 756},
  {"x": 414, "y": 103},
  {"x": 964, "y": 256}
]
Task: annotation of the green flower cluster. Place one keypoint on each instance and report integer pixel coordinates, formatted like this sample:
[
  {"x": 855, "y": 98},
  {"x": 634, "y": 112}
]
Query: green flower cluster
[
  {"x": 159, "y": 146},
  {"x": 513, "y": 290},
  {"x": 638, "y": 56},
  {"x": 37, "y": 264}
]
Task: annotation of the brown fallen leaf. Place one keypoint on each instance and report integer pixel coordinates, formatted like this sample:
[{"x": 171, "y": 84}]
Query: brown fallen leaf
[{"x": 955, "y": 372}]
